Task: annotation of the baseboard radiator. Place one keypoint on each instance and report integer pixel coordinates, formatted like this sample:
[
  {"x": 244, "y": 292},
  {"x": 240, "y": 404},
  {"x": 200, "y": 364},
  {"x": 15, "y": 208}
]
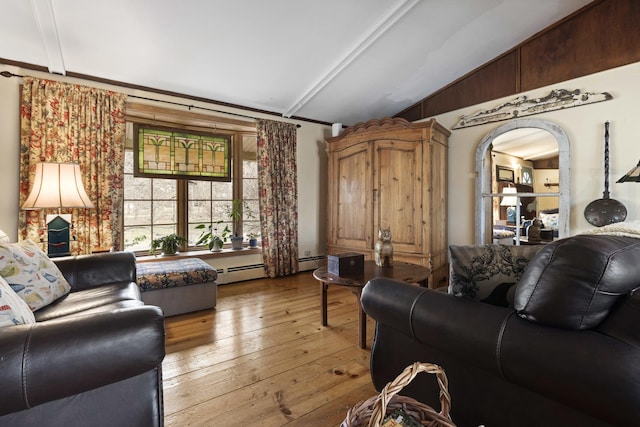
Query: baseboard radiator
[{"x": 256, "y": 271}]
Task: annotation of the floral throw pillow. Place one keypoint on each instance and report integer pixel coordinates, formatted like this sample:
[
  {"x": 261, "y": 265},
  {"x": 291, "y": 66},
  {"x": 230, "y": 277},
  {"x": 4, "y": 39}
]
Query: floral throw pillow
[
  {"x": 13, "y": 310},
  {"x": 488, "y": 273},
  {"x": 31, "y": 274}
]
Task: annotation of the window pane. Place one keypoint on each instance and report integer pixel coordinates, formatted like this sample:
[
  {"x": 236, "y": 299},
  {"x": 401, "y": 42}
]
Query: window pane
[
  {"x": 222, "y": 190},
  {"x": 250, "y": 169},
  {"x": 164, "y": 212},
  {"x": 250, "y": 189},
  {"x": 137, "y": 238},
  {"x": 163, "y": 230},
  {"x": 137, "y": 212},
  {"x": 200, "y": 211},
  {"x": 252, "y": 228},
  {"x": 128, "y": 161},
  {"x": 221, "y": 210},
  {"x": 199, "y": 190},
  {"x": 250, "y": 212},
  {"x": 164, "y": 189},
  {"x": 137, "y": 188},
  {"x": 194, "y": 234}
]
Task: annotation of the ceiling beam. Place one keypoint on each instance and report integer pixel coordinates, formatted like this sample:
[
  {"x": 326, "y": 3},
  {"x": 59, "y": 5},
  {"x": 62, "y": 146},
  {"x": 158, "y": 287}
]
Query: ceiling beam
[
  {"x": 46, "y": 23},
  {"x": 379, "y": 29}
]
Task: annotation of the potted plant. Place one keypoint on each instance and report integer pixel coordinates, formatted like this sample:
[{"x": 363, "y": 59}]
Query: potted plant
[
  {"x": 253, "y": 240},
  {"x": 168, "y": 244},
  {"x": 210, "y": 237},
  {"x": 236, "y": 215}
]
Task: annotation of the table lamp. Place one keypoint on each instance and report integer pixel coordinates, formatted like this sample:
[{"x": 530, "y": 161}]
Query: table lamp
[
  {"x": 511, "y": 202},
  {"x": 57, "y": 185},
  {"x": 632, "y": 176}
]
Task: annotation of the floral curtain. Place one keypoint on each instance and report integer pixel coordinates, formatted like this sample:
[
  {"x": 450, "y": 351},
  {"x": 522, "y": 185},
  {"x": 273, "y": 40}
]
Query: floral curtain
[
  {"x": 278, "y": 189},
  {"x": 63, "y": 122}
]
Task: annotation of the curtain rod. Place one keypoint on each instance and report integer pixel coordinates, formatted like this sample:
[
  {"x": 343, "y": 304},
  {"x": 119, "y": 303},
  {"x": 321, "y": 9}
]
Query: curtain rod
[
  {"x": 9, "y": 74},
  {"x": 189, "y": 106}
]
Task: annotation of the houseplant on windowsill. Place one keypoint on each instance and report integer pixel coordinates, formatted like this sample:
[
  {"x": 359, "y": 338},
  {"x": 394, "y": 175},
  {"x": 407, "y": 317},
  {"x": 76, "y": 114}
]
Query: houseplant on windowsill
[
  {"x": 168, "y": 244},
  {"x": 210, "y": 237},
  {"x": 253, "y": 240},
  {"x": 236, "y": 215}
]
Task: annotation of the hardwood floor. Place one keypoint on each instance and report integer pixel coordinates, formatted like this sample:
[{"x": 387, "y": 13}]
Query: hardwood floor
[{"x": 261, "y": 357}]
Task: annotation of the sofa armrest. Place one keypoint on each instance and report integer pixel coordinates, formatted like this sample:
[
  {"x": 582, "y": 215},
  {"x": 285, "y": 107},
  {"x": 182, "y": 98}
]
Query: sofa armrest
[
  {"x": 88, "y": 271},
  {"x": 446, "y": 322},
  {"x": 63, "y": 357}
]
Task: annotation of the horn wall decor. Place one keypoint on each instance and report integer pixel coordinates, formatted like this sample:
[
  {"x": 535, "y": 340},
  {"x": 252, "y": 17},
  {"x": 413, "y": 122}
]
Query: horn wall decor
[{"x": 522, "y": 106}]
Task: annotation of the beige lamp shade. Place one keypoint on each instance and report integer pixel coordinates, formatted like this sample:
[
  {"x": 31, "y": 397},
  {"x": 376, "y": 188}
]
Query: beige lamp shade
[
  {"x": 57, "y": 185},
  {"x": 509, "y": 200}
]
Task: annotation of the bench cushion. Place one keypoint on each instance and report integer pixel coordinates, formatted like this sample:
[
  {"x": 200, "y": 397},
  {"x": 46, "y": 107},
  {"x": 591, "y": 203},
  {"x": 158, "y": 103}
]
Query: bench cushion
[
  {"x": 178, "y": 286},
  {"x": 170, "y": 274}
]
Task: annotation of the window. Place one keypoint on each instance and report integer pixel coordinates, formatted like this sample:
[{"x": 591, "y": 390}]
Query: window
[
  {"x": 154, "y": 207},
  {"x": 150, "y": 207},
  {"x": 161, "y": 153}
]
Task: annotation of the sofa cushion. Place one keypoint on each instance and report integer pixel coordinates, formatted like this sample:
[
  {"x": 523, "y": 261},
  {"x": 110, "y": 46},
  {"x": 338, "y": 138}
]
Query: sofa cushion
[
  {"x": 13, "y": 309},
  {"x": 574, "y": 282},
  {"x": 487, "y": 273},
  {"x": 92, "y": 300},
  {"x": 31, "y": 274}
]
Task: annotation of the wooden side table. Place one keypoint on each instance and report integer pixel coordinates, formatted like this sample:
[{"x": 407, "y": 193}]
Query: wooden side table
[{"x": 402, "y": 271}]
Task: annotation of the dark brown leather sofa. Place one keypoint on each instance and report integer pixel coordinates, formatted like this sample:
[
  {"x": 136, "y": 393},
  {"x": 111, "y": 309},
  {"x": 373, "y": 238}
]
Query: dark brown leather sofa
[
  {"x": 567, "y": 354},
  {"x": 94, "y": 356}
]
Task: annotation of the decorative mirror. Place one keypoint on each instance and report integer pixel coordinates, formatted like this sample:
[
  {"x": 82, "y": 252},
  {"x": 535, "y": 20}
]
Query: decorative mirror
[{"x": 505, "y": 202}]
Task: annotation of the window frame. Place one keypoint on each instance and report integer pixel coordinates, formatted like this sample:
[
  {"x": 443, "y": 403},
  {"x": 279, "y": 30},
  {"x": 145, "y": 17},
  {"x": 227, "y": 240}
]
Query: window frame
[{"x": 183, "y": 121}]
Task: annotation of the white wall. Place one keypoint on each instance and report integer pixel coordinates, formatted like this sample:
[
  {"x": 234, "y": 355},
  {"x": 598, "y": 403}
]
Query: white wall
[
  {"x": 584, "y": 126},
  {"x": 311, "y": 161}
]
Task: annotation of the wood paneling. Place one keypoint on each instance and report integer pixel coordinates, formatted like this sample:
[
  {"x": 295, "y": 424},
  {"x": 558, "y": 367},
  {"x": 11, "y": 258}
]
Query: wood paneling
[
  {"x": 553, "y": 163},
  {"x": 494, "y": 80},
  {"x": 602, "y": 35}
]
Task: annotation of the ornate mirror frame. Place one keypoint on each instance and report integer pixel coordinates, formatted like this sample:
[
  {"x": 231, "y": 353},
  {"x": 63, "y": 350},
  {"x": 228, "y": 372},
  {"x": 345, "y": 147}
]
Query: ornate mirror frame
[{"x": 483, "y": 196}]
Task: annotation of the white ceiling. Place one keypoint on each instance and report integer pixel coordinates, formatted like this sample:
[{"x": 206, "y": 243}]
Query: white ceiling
[
  {"x": 329, "y": 60},
  {"x": 527, "y": 144}
]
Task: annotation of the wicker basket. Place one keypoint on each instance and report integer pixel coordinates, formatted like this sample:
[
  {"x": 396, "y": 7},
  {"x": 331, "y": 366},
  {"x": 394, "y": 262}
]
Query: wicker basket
[{"x": 372, "y": 411}]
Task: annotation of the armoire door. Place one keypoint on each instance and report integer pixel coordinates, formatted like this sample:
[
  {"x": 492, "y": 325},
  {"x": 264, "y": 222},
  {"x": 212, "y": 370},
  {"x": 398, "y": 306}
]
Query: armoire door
[
  {"x": 397, "y": 192},
  {"x": 351, "y": 196}
]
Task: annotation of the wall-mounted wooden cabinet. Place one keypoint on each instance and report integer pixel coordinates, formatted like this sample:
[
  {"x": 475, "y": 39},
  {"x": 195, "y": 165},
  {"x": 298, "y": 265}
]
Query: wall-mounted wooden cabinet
[{"x": 390, "y": 173}]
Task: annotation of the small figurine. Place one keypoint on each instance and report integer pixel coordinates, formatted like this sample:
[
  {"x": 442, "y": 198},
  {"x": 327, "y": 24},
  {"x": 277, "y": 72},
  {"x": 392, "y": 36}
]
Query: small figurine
[
  {"x": 384, "y": 249},
  {"x": 533, "y": 232}
]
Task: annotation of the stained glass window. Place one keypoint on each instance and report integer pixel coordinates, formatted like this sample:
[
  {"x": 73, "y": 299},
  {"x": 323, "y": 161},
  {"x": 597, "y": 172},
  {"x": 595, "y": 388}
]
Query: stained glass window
[{"x": 167, "y": 153}]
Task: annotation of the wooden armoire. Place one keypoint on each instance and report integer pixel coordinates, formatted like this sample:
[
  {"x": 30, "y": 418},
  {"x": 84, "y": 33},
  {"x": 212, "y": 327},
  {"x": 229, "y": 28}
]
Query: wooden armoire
[{"x": 390, "y": 173}]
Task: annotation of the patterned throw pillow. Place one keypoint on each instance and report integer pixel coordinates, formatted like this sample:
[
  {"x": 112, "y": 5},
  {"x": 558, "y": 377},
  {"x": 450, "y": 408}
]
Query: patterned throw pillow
[
  {"x": 31, "y": 274},
  {"x": 549, "y": 218},
  {"x": 488, "y": 273},
  {"x": 13, "y": 310}
]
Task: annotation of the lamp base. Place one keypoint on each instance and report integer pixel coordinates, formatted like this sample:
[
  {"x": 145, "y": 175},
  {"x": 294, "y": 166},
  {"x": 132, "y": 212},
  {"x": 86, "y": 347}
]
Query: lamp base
[{"x": 58, "y": 233}]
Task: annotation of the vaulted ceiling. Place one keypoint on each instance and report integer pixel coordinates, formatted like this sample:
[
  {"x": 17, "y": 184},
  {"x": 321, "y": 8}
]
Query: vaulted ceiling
[{"x": 332, "y": 60}]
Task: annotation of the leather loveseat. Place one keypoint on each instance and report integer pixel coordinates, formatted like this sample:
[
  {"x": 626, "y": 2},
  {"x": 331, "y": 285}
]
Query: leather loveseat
[
  {"x": 93, "y": 357},
  {"x": 566, "y": 354}
]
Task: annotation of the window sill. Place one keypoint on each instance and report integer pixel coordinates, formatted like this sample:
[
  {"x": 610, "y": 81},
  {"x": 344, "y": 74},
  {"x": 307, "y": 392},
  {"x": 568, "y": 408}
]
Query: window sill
[{"x": 203, "y": 254}]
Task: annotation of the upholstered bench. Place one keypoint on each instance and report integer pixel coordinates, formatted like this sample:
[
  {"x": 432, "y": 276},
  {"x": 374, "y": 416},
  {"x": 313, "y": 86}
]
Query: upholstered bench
[
  {"x": 178, "y": 286},
  {"x": 503, "y": 237}
]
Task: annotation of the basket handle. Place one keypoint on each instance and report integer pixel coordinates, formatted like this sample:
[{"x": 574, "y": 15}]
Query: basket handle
[{"x": 394, "y": 387}]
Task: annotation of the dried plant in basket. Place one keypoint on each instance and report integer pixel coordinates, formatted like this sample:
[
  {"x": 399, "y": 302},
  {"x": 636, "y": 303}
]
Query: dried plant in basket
[{"x": 372, "y": 411}]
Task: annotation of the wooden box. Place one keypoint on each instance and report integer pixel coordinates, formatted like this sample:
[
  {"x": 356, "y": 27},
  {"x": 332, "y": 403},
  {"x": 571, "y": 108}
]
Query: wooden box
[{"x": 346, "y": 264}]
